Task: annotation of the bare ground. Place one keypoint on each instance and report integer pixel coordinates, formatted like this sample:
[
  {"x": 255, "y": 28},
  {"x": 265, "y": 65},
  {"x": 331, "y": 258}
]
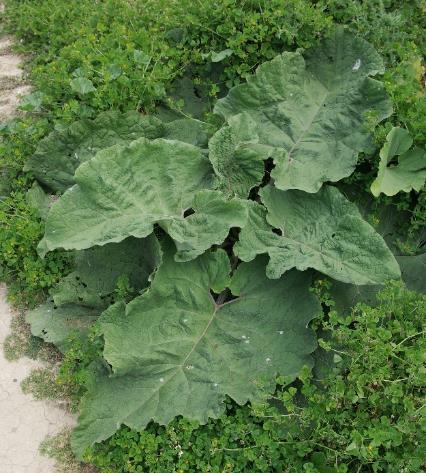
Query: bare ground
[{"x": 24, "y": 422}]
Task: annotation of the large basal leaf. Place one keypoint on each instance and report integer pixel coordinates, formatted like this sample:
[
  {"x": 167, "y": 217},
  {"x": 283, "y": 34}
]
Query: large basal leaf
[
  {"x": 213, "y": 217},
  {"x": 322, "y": 231},
  {"x": 62, "y": 151},
  {"x": 98, "y": 269},
  {"x": 79, "y": 298},
  {"x": 313, "y": 110},
  {"x": 188, "y": 130},
  {"x": 176, "y": 351},
  {"x": 237, "y": 157},
  {"x": 124, "y": 191},
  {"x": 38, "y": 200},
  {"x": 59, "y": 154},
  {"x": 347, "y": 296},
  {"x": 56, "y": 324},
  {"x": 413, "y": 269},
  {"x": 410, "y": 171}
]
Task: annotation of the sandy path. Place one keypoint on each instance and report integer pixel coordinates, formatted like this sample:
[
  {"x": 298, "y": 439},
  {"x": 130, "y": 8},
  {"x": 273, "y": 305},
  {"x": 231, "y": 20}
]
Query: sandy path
[
  {"x": 11, "y": 81},
  {"x": 24, "y": 422}
]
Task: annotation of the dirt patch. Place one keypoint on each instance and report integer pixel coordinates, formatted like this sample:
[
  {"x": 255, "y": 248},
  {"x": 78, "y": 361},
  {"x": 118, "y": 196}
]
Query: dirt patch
[
  {"x": 25, "y": 422},
  {"x": 9, "y": 100}
]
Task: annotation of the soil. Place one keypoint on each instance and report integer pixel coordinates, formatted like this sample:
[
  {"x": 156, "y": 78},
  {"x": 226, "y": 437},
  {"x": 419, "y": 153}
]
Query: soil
[{"x": 24, "y": 422}]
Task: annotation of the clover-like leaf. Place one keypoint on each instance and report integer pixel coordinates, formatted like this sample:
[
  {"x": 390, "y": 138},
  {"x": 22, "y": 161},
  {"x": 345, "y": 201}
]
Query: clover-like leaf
[
  {"x": 323, "y": 231},
  {"x": 59, "y": 154},
  {"x": 410, "y": 171},
  {"x": 313, "y": 109},
  {"x": 176, "y": 350},
  {"x": 98, "y": 269}
]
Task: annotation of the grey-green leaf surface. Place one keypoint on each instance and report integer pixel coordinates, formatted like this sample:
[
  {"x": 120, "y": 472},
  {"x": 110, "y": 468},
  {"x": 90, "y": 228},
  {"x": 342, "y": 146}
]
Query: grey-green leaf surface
[
  {"x": 176, "y": 351},
  {"x": 188, "y": 130},
  {"x": 98, "y": 269},
  {"x": 413, "y": 272},
  {"x": 323, "y": 231},
  {"x": 237, "y": 157},
  {"x": 218, "y": 56},
  {"x": 56, "y": 324},
  {"x": 413, "y": 269},
  {"x": 123, "y": 191},
  {"x": 62, "y": 151},
  {"x": 347, "y": 296},
  {"x": 313, "y": 109},
  {"x": 410, "y": 171},
  {"x": 38, "y": 200},
  {"x": 82, "y": 85},
  {"x": 214, "y": 215}
]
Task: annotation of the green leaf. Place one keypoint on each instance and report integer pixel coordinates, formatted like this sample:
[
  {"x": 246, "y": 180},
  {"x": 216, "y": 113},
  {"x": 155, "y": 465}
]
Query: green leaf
[
  {"x": 38, "y": 200},
  {"x": 218, "y": 57},
  {"x": 194, "y": 97},
  {"x": 322, "y": 231},
  {"x": 237, "y": 157},
  {"x": 188, "y": 130},
  {"x": 313, "y": 110},
  {"x": 141, "y": 57},
  {"x": 82, "y": 86},
  {"x": 413, "y": 269},
  {"x": 176, "y": 351},
  {"x": 32, "y": 102},
  {"x": 408, "y": 174},
  {"x": 55, "y": 324},
  {"x": 98, "y": 269},
  {"x": 114, "y": 71},
  {"x": 346, "y": 296},
  {"x": 123, "y": 191},
  {"x": 209, "y": 225},
  {"x": 61, "y": 152}
]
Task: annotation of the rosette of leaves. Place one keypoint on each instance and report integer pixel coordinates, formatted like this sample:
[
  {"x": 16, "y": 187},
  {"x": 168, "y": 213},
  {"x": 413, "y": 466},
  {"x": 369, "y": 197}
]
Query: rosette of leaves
[{"x": 228, "y": 307}]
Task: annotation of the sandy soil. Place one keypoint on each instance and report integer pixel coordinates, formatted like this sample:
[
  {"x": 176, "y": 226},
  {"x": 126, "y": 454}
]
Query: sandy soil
[
  {"x": 11, "y": 80},
  {"x": 24, "y": 422}
]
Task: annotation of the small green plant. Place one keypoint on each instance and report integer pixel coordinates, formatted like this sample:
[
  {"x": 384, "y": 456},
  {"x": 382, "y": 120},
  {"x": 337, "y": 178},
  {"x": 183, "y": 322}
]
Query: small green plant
[
  {"x": 58, "y": 448},
  {"x": 20, "y": 341},
  {"x": 75, "y": 367},
  {"x": 27, "y": 275},
  {"x": 43, "y": 384}
]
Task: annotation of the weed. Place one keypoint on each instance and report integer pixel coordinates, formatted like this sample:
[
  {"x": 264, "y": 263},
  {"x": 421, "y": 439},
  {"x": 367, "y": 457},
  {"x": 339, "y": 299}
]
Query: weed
[{"x": 58, "y": 448}]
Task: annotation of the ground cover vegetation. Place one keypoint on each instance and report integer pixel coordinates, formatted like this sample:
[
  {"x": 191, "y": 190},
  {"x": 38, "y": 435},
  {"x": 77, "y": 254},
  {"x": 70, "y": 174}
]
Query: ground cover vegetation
[{"x": 202, "y": 194}]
